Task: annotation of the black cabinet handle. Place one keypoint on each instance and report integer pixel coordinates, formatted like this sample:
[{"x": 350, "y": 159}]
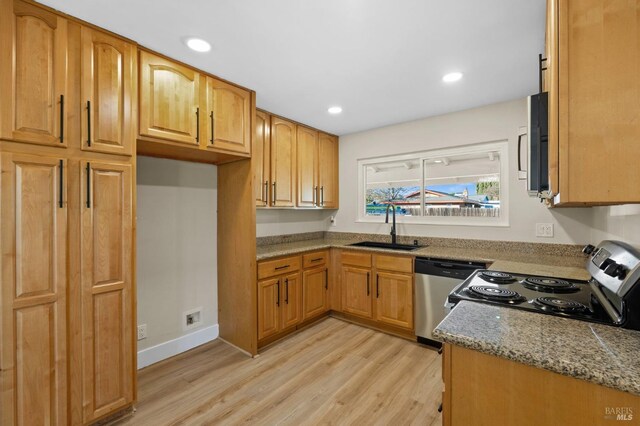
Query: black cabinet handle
[
  {"x": 88, "y": 123},
  {"x": 88, "y": 185},
  {"x": 198, "y": 124},
  {"x": 519, "y": 153},
  {"x": 286, "y": 290},
  {"x": 317, "y": 259},
  {"x": 541, "y": 68},
  {"x": 326, "y": 279},
  {"x": 322, "y": 195},
  {"x": 377, "y": 286},
  {"x": 368, "y": 290},
  {"x": 278, "y": 294},
  {"x": 273, "y": 196},
  {"x": 61, "y": 189},
  {"x": 315, "y": 191},
  {"x": 265, "y": 199},
  {"x": 61, "y": 118},
  {"x": 282, "y": 267},
  {"x": 212, "y": 127}
]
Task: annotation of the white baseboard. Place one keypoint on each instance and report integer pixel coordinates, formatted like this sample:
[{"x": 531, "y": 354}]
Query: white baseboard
[{"x": 174, "y": 347}]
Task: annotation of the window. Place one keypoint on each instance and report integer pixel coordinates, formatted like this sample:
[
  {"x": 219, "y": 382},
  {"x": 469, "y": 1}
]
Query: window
[{"x": 465, "y": 185}]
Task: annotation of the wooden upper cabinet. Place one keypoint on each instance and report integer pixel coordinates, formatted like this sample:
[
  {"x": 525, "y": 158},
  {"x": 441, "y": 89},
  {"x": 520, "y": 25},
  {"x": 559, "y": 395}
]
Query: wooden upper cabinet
[
  {"x": 261, "y": 158},
  {"x": 394, "y": 299},
  {"x": 33, "y": 354},
  {"x": 33, "y": 74},
  {"x": 169, "y": 100},
  {"x": 228, "y": 117},
  {"x": 328, "y": 170},
  {"x": 307, "y": 163},
  {"x": 107, "y": 92},
  {"x": 106, "y": 288},
  {"x": 594, "y": 155},
  {"x": 283, "y": 163}
]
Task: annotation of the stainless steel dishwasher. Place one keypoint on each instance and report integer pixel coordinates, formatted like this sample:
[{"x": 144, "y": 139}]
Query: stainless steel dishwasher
[{"x": 435, "y": 279}]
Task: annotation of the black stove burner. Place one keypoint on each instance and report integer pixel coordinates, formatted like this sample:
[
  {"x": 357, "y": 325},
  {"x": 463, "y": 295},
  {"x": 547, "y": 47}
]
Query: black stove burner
[
  {"x": 549, "y": 285},
  {"x": 496, "y": 277},
  {"x": 495, "y": 294},
  {"x": 555, "y": 304}
]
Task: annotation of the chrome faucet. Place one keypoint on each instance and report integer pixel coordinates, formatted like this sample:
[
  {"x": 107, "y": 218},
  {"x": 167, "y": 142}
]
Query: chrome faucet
[{"x": 393, "y": 225}]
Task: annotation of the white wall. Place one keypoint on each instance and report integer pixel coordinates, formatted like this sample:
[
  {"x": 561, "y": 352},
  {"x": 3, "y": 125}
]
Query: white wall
[
  {"x": 617, "y": 223},
  {"x": 490, "y": 123},
  {"x": 279, "y": 221},
  {"x": 176, "y": 254}
]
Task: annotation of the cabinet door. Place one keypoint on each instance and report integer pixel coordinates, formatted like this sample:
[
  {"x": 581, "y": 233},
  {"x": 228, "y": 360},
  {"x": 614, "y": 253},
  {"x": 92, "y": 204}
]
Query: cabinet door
[
  {"x": 307, "y": 164},
  {"x": 33, "y": 74},
  {"x": 106, "y": 273},
  {"x": 314, "y": 292},
  {"x": 108, "y": 73},
  {"x": 169, "y": 100},
  {"x": 394, "y": 299},
  {"x": 268, "y": 307},
  {"x": 34, "y": 239},
  {"x": 291, "y": 300},
  {"x": 229, "y": 117},
  {"x": 356, "y": 291},
  {"x": 328, "y": 170},
  {"x": 283, "y": 163},
  {"x": 261, "y": 158}
]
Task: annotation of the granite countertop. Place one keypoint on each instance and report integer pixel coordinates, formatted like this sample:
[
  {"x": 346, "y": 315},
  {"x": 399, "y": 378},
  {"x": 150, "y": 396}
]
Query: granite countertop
[
  {"x": 563, "y": 266},
  {"x": 597, "y": 353}
]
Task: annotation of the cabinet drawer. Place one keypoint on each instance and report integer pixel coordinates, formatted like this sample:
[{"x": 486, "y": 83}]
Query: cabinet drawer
[
  {"x": 356, "y": 258},
  {"x": 271, "y": 268},
  {"x": 394, "y": 263},
  {"x": 315, "y": 259}
]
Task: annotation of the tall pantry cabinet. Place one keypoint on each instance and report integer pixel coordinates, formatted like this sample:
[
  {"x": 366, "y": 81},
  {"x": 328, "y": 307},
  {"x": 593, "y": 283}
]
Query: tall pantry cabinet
[{"x": 67, "y": 132}]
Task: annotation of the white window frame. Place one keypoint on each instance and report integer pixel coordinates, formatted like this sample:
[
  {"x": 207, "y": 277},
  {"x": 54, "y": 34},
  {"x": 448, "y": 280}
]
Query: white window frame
[{"x": 501, "y": 146}]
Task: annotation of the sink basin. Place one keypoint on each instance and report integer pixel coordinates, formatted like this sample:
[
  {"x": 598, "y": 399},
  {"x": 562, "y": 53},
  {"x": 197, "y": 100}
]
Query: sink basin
[{"x": 390, "y": 246}]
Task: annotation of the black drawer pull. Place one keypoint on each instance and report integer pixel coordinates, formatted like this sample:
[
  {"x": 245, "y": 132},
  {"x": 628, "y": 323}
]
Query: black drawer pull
[
  {"x": 282, "y": 267},
  {"x": 316, "y": 259}
]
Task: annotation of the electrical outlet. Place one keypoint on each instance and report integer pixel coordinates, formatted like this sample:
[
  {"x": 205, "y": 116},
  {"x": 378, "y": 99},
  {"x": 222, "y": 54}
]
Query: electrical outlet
[
  {"x": 192, "y": 318},
  {"x": 544, "y": 230},
  {"x": 142, "y": 331},
  {"x": 332, "y": 219}
]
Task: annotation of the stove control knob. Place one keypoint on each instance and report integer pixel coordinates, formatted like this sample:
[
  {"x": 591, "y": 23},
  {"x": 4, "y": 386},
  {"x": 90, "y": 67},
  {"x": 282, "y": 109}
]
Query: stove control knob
[
  {"x": 616, "y": 270},
  {"x": 588, "y": 249}
]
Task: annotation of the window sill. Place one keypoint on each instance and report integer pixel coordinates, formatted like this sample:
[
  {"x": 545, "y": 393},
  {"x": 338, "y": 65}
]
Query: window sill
[{"x": 445, "y": 222}]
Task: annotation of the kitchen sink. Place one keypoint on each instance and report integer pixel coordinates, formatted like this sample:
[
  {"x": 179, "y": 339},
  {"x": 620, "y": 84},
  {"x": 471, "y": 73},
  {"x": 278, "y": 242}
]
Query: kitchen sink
[{"x": 390, "y": 246}]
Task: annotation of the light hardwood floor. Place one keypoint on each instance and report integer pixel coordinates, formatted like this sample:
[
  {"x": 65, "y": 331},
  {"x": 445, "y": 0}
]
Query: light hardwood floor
[{"x": 331, "y": 373}]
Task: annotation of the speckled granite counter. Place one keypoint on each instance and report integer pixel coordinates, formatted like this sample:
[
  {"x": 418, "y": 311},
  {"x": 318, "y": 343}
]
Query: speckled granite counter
[
  {"x": 597, "y": 353},
  {"x": 569, "y": 265}
]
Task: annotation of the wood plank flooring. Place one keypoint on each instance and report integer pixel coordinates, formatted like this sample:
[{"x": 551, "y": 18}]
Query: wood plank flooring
[{"x": 333, "y": 373}]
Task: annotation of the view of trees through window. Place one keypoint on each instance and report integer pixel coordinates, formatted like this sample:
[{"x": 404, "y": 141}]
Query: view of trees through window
[{"x": 458, "y": 185}]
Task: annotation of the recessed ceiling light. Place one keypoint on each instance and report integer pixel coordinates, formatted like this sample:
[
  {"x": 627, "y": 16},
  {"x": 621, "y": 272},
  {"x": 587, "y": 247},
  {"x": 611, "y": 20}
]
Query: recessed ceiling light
[
  {"x": 451, "y": 77},
  {"x": 198, "y": 44},
  {"x": 335, "y": 110}
]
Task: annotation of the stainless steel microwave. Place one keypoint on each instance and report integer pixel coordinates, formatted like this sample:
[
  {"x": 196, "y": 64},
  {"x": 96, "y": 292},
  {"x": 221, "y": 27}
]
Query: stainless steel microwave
[{"x": 538, "y": 152}]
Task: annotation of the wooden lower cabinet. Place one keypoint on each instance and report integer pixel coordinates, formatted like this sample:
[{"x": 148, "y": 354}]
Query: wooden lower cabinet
[
  {"x": 33, "y": 354},
  {"x": 394, "y": 299},
  {"x": 315, "y": 285},
  {"x": 356, "y": 291},
  {"x": 279, "y": 304},
  {"x": 106, "y": 288},
  {"x": 474, "y": 381}
]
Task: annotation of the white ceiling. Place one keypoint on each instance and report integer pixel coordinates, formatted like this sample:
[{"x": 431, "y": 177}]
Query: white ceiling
[{"x": 381, "y": 60}]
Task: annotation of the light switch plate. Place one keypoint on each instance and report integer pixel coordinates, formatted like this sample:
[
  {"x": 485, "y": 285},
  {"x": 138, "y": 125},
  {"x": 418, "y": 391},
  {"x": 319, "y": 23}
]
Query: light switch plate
[
  {"x": 544, "y": 230},
  {"x": 142, "y": 331}
]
